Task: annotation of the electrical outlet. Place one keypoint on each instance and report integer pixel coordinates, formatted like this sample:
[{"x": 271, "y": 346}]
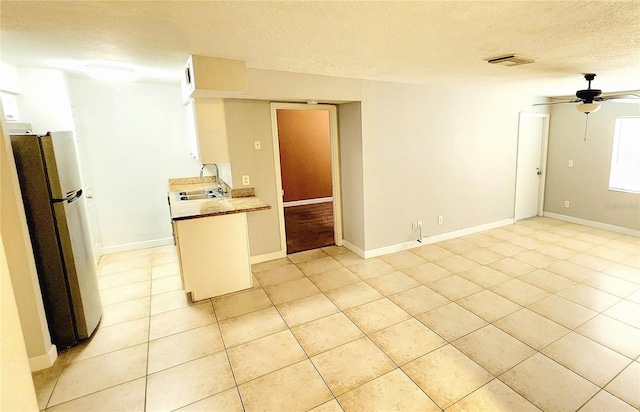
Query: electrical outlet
[
  {"x": 570, "y": 163},
  {"x": 440, "y": 220},
  {"x": 257, "y": 145},
  {"x": 566, "y": 204},
  {"x": 414, "y": 225},
  {"x": 245, "y": 180}
]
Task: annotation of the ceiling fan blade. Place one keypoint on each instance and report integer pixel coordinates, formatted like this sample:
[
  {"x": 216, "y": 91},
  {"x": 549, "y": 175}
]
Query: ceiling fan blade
[
  {"x": 558, "y": 102},
  {"x": 619, "y": 97}
]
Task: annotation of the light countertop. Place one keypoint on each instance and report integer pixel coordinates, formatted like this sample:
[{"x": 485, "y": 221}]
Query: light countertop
[{"x": 190, "y": 209}]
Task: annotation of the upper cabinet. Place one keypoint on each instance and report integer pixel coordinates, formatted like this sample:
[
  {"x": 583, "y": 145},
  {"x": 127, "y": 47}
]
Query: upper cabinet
[
  {"x": 207, "y": 130},
  {"x": 10, "y": 106},
  {"x": 206, "y": 76}
]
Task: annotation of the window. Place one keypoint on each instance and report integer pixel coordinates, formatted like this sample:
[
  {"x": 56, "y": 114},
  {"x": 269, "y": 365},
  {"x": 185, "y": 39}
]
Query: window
[{"x": 625, "y": 160}]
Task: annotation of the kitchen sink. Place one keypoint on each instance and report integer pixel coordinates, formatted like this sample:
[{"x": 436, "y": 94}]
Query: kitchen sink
[{"x": 200, "y": 194}]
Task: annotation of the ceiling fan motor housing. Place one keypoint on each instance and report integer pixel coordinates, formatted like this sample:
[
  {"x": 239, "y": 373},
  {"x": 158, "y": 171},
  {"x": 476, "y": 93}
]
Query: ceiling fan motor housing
[{"x": 588, "y": 95}]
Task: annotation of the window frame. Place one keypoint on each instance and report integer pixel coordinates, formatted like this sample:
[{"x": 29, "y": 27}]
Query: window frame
[{"x": 615, "y": 152}]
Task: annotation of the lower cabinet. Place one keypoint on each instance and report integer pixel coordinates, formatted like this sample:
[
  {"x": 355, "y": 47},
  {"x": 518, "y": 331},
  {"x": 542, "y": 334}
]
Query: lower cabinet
[{"x": 214, "y": 255}]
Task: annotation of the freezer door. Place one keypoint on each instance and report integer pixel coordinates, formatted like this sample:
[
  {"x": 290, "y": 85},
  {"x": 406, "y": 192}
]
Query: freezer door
[
  {"x": 81, "y": 274},
  {"x": 59, "y": 151}
]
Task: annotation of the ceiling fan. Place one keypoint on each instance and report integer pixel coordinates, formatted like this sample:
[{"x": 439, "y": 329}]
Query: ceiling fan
[{"x": 590, "y": 99}]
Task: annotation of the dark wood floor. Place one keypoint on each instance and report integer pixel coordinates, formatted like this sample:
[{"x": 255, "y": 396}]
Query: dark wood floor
[{"x": 309, "y": 227}]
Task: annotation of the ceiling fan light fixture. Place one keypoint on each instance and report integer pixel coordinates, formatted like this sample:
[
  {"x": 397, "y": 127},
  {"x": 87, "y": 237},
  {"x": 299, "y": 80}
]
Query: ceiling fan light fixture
[
  {"x": 110, "y": 72},
  {"x": 587, "y": 108}
]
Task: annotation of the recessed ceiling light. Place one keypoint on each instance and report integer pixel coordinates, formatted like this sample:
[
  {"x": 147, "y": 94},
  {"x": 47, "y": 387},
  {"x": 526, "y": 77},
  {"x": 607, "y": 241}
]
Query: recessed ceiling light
[{"x": 110, "y": 72}]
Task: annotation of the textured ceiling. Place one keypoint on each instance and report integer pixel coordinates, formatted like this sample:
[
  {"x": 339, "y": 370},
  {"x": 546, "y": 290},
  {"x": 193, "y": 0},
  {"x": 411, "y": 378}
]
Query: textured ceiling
[{"x": 425, "y": 42}]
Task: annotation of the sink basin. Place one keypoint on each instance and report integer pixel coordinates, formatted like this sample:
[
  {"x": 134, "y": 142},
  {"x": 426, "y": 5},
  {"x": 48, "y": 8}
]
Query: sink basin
[{"x": 200, "y": 194}]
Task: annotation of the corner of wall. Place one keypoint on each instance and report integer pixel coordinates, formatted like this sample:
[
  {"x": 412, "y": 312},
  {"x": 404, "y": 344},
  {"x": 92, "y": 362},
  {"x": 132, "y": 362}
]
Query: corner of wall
[{"x": 19, "y": 255}]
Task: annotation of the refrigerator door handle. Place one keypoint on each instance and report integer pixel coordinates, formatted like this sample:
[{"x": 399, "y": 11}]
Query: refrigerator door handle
[{"x": 74, "y": 196}]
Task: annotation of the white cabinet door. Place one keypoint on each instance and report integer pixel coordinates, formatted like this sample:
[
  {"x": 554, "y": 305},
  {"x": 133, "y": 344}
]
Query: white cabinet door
[
  {"x": 206, "y": 76},
  {"x": 207, "y": 130},
  {"x": 10, "y": 107},
  {"x": 214, "y": 255}
]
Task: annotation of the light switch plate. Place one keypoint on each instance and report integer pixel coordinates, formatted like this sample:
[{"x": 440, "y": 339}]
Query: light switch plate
[
  {"x": 570, "y": 163},
  {"x": 257, "y": 145},
  {"x": 245, "y": 180}
]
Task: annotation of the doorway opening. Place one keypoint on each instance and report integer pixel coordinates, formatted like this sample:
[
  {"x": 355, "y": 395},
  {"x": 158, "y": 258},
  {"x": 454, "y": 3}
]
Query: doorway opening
[
  {"x": 307, "y": 175},
  {"x": 533, "y": 137}
]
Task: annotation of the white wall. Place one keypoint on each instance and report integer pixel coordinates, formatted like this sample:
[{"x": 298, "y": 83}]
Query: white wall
[
  {"x": 586, "y": 185},
  {"x": 44, "y": 100},
  {"x": 135, "y": 139}
]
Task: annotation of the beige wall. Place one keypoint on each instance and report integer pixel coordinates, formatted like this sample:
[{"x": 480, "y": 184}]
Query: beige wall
[
  {"x": 305, "y": 153},
  {"x": 248, "y": 121},
  {"x": 431, "y": 151},
  {"x": 426, "y": 152},
  {"x": 586, "y": 185},
  {"x": 17, "y": 245},
  {"x": 350, "y": 137},
  {"x": 17, "y": 392}
]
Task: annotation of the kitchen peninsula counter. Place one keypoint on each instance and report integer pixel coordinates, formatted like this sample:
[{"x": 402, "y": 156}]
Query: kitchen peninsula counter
[
  {"x": 240, "y": 201},
  {"x": 192, "y": 209},
  {"x": 212, "y": 237}
]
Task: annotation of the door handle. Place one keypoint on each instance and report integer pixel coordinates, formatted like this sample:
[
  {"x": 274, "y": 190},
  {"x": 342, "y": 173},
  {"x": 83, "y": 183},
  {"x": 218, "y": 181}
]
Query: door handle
[{"x": 538, "y": 171}]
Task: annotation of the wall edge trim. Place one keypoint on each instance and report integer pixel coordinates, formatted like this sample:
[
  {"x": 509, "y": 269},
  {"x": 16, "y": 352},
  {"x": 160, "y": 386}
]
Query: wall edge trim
[
  {"x": 426, "y": 240},
  {"x": 355, "y": 249},
  {"x": 593, "y": 224},
  {"x": 40, "y": 362},
  {"x": 126, "y": 247},
  {"x": 265, "y": 257}
]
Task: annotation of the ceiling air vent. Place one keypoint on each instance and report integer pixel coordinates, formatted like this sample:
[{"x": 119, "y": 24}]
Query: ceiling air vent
[{"x": 510, "y": 60}]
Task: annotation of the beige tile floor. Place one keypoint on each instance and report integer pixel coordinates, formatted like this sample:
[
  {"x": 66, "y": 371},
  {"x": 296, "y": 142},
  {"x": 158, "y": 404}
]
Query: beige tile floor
[{"x": 541, "y": 315}]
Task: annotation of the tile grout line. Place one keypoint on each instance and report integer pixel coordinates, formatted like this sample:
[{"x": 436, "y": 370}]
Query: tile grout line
[{"x": 554, "y": 293}]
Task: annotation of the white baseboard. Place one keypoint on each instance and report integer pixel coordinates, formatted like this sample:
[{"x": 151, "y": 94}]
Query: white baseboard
[
  {"x": 138, "y": 245},
  {"x": 355, "y": 249},
  {"x": 267, "y": 257},
  {"x": 593, "y": 224},
  {"x": 308, "y": 201},
  {"x": 426, "y": 240},
  {"x": 97, "y": 252},
  {"x": 45, "y": 361}
]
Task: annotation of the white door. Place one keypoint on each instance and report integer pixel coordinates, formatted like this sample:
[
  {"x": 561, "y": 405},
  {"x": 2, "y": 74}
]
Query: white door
[{"x": 532, "y": 143}]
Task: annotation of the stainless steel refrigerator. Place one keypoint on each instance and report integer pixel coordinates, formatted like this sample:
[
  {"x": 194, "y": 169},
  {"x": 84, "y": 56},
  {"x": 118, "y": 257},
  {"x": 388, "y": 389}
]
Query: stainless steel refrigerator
[{"x": 54, "y": 204}]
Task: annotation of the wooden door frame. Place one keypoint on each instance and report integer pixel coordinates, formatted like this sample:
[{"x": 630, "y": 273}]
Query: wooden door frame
[
  {"x": 335, "y": 166},
  {"x": 543, "y": 160}
]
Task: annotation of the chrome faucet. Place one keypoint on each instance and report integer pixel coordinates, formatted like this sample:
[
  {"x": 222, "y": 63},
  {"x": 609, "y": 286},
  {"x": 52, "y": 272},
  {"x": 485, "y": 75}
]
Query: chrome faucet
[{"x": 217, "y": 175}]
